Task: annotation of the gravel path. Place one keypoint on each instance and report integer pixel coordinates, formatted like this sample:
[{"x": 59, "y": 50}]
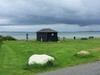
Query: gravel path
[{"x": 85, "y": 69}]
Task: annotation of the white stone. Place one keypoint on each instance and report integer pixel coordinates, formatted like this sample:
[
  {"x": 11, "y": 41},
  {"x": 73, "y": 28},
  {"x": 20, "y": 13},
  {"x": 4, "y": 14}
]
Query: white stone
[
  {"x": 83, "y": 53},
  {"x": 40, "y": 59}
]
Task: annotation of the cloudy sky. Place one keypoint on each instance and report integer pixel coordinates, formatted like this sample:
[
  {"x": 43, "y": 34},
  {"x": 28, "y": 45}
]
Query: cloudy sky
[{"x": 61, "y": 15}]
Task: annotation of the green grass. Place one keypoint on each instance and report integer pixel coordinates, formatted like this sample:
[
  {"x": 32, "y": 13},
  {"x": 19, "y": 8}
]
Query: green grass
[{"x": 14, "y": 54}]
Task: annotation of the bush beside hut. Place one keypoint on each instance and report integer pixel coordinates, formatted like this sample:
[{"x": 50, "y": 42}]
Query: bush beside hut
[{"x": 4, "y": 38}]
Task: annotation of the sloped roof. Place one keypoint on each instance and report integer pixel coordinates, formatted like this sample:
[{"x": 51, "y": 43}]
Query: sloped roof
[{"x": 46, "y": 30}]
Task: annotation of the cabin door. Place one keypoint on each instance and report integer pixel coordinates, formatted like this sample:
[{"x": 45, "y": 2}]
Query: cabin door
[{"x": 51, "y": 37}]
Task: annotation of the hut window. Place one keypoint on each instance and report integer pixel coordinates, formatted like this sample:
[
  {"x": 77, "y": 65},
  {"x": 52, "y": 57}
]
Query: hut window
[{"x": 52, "y": 34}]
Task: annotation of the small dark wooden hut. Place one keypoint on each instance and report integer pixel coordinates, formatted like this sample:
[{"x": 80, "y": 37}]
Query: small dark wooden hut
[{"x": 46, "y": 35}]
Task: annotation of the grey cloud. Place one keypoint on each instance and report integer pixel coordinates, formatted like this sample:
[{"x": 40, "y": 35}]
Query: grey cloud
[{"x": 82, "y": 12}]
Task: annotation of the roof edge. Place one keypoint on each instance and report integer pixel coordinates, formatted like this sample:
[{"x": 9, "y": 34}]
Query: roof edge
[{"x": 47, "y": 30}]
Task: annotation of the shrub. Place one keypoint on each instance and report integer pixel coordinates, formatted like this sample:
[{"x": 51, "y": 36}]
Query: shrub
[
  {"x": 1, "y": 40},
  {"x": 8, "y": 38}
]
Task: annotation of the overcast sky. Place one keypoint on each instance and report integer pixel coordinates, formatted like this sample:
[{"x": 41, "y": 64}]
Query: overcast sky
[{"x": 61, "y": 15}]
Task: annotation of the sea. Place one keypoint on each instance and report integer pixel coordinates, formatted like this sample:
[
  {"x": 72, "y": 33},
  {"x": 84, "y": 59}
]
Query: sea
[{"x": 69, "y": 35}]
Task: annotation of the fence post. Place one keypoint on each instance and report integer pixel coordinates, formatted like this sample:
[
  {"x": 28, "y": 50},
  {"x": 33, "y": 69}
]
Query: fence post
[
  {"x": 74, "y": 37},
  {"x": 64, "y": 38},
  {"x": 26, "y": 37}
]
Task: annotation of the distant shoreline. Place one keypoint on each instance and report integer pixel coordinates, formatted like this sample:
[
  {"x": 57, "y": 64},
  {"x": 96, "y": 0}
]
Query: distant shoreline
[
  {"x": 36, "y": 31},
  {"x": 69, "y": 35}
]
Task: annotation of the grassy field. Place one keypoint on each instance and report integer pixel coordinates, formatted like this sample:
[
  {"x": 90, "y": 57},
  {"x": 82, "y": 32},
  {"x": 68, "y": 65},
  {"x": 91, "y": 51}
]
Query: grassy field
[{"x": 14, "y": 54}]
